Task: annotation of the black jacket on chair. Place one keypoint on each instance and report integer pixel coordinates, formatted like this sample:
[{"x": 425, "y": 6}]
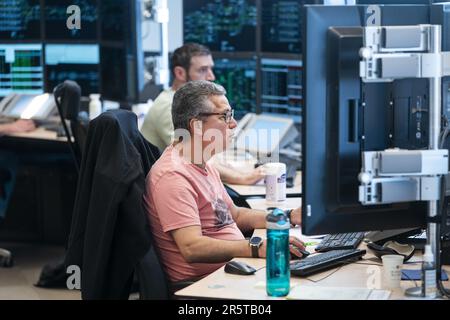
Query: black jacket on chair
[{"x": 110, "y": 232}]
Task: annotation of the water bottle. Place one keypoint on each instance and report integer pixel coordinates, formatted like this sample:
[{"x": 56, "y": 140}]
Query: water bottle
[
  {"x": 429, "y": 274},
  {"x": 277, "y": 254}
]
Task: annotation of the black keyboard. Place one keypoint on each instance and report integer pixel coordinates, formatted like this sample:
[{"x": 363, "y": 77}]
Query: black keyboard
[
  {"x": 340, "y": 241},
  {"x": 324, "y": 261}
]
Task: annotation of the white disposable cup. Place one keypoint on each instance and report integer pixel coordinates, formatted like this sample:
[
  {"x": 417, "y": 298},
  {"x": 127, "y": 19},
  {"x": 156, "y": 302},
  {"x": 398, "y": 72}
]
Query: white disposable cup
[
  {"x": 275, "y": 181},
  {"x": 392, "y": 270}
]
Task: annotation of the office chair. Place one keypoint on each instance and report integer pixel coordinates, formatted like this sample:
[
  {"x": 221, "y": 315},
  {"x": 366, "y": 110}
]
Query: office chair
[
  {"x": 67, "y": 98},
  {"x": 6, "y": 186},
  {"x": 110, "y": 238}
]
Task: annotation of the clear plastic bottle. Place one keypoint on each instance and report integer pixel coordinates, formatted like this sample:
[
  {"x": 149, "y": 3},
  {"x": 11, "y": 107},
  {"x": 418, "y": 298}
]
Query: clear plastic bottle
[
  {"x": 95, "y": 106},
  {"x": 277, "y": 254},
  {"x": 429, "y": 273}
]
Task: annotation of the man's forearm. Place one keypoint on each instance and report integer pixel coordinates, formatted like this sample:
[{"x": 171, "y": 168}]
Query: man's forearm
[
  {"x": 210, "y": 250},
  {"x": 248, "y": 219}
]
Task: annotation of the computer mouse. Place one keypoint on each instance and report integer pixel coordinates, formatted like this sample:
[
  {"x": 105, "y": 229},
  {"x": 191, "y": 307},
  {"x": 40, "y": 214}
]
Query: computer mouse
[{"x": 239, "y": 267}]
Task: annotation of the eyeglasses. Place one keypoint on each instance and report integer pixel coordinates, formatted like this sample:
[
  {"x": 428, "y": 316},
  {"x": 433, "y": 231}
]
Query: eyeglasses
[{"x": 228, "y": 115}]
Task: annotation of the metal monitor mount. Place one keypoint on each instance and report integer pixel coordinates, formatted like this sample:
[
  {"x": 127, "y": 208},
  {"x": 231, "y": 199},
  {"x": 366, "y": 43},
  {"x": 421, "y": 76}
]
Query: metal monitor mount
[{"x": 390, "y": 176}]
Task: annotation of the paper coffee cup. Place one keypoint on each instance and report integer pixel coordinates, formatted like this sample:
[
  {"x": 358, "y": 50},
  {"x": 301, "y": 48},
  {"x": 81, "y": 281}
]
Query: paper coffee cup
[
  {"x": 392, "y": 270},
  {"x": 275, "y": 182}
]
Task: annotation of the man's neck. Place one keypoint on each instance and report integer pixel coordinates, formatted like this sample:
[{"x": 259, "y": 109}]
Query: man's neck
[{"x": 177, "y": 84}]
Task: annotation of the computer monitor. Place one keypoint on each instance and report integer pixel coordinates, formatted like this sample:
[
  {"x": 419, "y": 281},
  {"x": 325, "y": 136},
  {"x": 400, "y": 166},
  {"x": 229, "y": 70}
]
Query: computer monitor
[
  {"x": 55, "y": 19},
  {"x": 238, "y": 77},
  {"x": 77, "y": 62},
  {"x": 21, "y": 69},
  {"x": 20, "y": 20},
  {"x": 281, "y": 87},
  {"x": 281, "y": 22},
  {"x": 343, "y": 117},
  {"x": 263, "y": 136},
  {"x": 222, "y": 25}
]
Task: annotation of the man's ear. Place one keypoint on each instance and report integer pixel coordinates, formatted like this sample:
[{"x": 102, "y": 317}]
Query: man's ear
[
  {"x": 195, "y": 126},
  {"x": 180, "y": 74}
]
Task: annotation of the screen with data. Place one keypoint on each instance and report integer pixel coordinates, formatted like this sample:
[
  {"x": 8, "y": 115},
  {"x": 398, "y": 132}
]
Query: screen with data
[
  {"x": 21, "y": 69},
  {"x": 281, "y": 87},
  {"x": 222, "y": 25},
  {"x": 20, "y": 20},
  {"x": 238, "y": 76}
]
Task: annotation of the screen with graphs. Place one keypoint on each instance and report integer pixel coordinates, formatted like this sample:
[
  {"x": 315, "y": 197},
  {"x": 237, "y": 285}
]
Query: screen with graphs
[
  {"x": 281, "y": 87},
  {"x": 238, "y": 76},
  {"x": 222, "y": 25},
  {"x": 21, "y": 69}
]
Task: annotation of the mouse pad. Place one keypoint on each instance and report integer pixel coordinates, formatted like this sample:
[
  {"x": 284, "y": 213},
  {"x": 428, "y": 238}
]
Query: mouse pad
[{"x": 417, "y": 275}]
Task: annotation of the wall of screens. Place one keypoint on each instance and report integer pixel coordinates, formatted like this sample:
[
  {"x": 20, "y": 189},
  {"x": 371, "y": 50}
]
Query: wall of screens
[
  {"x": 256, "y": 44},
  {"x": 105, "y": 52}
]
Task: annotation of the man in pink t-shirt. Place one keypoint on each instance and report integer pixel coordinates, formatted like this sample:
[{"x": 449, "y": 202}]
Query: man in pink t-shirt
[{"x": 195, "y": 224}]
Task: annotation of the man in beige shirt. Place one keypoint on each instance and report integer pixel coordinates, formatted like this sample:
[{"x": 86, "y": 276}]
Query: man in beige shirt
[{"x": 189, "y": 63}]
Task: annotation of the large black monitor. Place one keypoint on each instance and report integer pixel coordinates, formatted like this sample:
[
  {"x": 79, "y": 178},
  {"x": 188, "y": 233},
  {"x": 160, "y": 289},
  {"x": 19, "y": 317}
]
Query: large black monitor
[
  {"x": 222, "y": 25},
  {"x": 343, "y": 117},
  {"x": 238, "y": 76},
  {"x": 55, "y": 19}
]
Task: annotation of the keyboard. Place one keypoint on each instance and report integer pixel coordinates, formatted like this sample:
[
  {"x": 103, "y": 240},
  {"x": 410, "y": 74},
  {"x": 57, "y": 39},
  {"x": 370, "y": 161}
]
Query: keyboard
[
  {"x": 324, "y": 261},
  {"x": 340, "y": 241}
]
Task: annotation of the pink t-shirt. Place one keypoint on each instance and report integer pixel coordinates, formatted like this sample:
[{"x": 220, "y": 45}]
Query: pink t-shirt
[{"x": 180, "y": 194}]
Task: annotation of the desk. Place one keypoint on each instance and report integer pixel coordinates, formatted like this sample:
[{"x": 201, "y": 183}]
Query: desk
[
  {"x": 221, "y": 285},
  {"x": 260, "y": 204},
  {"x": 42, "y": 200},
  {"x": 260, "y": 190}
]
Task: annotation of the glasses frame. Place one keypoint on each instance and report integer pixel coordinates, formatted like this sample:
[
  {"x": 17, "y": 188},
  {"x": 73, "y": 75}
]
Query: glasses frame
[{"x": 229, "y": 115}]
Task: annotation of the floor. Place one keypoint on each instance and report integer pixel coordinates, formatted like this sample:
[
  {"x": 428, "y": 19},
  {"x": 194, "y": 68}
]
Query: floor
[{"x": 17, "y": 283}]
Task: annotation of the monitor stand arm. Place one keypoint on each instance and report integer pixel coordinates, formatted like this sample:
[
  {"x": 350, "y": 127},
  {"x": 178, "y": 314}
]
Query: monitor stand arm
[{"x": 402, "y": 52}]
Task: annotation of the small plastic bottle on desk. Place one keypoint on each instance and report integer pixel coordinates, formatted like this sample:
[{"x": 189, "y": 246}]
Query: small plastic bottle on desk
[
  {"x": 277, "y": 255},
  {"x": 95, "y": 106}
]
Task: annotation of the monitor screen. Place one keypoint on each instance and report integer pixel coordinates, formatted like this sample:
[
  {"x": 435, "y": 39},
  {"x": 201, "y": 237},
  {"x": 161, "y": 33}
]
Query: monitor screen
[
  {"x": 222, "y": 25},
  {"x": 336, "y": 128},
  {"x": 263, "y": 135},
  {"x": 238, "y": 76},
  {"x": 281, "y": 87},
  {"x": 281, "y": 26},
  {"x": 76, "y": 62},
  {"x": 20, "y": 20},
  {"x": 21, "y": 69},
  {"x": 56, "y": 17}
]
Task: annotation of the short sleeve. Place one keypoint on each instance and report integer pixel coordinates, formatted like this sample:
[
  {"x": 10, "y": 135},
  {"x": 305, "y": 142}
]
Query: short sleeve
[{"x": 175, "y": 202}]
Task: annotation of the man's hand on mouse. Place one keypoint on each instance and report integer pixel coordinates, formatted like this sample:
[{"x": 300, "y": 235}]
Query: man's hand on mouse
[{"x": 293, "y": 243}]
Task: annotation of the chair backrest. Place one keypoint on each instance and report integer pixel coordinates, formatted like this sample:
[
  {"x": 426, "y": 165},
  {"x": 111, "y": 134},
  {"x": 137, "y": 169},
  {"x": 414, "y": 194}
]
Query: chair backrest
[{"x": 110, "y": 232}]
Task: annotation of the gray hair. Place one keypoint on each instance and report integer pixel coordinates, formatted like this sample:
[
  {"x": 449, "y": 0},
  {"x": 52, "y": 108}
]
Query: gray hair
[{"x": 192, "y": 99}]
